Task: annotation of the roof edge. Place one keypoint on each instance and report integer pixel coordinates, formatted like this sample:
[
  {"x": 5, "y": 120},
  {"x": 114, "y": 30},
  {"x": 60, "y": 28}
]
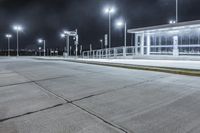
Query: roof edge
[{"x": 187, "y": 23}]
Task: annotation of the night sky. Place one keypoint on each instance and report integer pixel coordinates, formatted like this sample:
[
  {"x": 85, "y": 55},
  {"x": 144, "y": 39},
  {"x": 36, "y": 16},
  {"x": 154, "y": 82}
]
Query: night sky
[{"x": 47, "y": 18}]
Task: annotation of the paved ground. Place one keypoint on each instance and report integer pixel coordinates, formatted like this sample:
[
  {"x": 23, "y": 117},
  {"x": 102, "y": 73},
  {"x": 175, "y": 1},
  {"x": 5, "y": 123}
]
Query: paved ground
[{"x": 62, "y": 97}]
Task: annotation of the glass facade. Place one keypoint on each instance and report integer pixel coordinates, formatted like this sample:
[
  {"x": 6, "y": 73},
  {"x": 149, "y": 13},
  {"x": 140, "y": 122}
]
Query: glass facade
[{"x": 163, "y": 43}]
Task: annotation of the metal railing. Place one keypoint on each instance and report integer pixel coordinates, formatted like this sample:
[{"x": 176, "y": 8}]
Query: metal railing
[
  {"x": 110, "y": 53},
  {"x": 117, "y": 52}
]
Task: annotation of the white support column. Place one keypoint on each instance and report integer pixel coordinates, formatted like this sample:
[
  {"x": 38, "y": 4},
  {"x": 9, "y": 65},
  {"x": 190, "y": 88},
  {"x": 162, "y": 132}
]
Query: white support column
[
  {"x": 160, "y": 43},
  {"x": 175, "y": 46},
  {"x": 88, "y": 54},
  {"x": 142, "y": 44},
  {"x": 148, "y": 44},
  {"x": 93, "y": 54},
  {"x": 136, "y": 44},
  {"x": 115, "y": 53}
]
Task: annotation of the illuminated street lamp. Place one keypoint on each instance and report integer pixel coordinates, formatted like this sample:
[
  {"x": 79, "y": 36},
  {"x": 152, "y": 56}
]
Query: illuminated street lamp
[
  {"x": 120, "y": 23},
  {"x": 44, "y": 43},
  {"x": 101, "y": 41},
  {"x": 62, "y": 35},
  {"x": 70, "y": 51},
  {"x": 176, "y": 11},
  {"x": 172, "y": 22},
  {"x": 65, "y": 35},
  {"x": 68, "y": 34},
  {"x": 8, "y": 36},
  {"x": 17, "y": 28},
  {"x": 81, "y": 49},
  {"x": 109, "y": 11}
]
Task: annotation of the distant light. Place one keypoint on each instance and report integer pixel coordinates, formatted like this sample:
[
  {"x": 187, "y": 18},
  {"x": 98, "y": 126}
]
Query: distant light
[
  {"x": 101, "y": 40},
  {"x": 66, "y": 32},
  {"x": 18, "y": 27},
  {"x": 120, "y": 23},
  {"x": 8, "y": 35},
  {"x": 62, "y": 35},
  {"x": 40, "y": 40},
  {"x": 109, "y": 10},
  {"x": 172, "y": 22}
]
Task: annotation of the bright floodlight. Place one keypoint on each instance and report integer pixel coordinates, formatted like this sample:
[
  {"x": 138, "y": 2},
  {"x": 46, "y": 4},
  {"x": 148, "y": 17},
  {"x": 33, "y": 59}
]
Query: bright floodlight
[
  {"x": 17, "y": 28},
  {"x": 109, "y": 10},
  {"x": 172, "y": 22},
  {"x": 119, "y": 23},
  {"x": 62, "y": 35},
  {"x": 40, "y": 40},
  {"x": 8, "y": 35}
]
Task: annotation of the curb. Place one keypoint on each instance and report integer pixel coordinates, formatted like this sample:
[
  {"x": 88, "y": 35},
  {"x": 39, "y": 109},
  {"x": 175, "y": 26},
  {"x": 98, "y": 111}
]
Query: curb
[{"x": 180, "y": 71}]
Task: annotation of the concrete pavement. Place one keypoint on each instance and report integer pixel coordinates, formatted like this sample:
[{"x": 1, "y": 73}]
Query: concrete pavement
[{"x": 38, "y": 96}]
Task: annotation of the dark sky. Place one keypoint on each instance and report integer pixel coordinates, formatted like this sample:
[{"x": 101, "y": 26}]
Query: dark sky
[{"x": 47, "y": 18}]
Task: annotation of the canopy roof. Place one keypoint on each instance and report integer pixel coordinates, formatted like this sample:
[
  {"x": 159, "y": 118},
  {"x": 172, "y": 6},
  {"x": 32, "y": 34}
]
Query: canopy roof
[{"x": 167, "y": 27}]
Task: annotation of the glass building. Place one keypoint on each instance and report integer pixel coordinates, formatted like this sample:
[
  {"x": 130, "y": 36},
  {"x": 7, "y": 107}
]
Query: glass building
[{"x": 180, "y": 39}]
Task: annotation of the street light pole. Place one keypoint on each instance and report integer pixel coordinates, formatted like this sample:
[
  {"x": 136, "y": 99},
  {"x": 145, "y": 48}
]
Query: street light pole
[
  {"x": 67, "y": 37},
  {"x": 44, "y": 48},
  {"x": 8, "y": 46},
  {"x": 90, "y": 49},
  {"x": 8, "y": 36},
  {"x": 109, "y": 11},
  {"x": 17, "y": 28},
  {"x": 17, "y": 43},
  {"x": 109, "y": 14},
  {"x": 176, "y": 11},
  {"x": 125, "y": 34},
  {"x": 81, "y": 49},
  {"x": 101, "y": 41},
  {"x": 119, "y": 24},
  {"x": 66, "y": 34},
  {"x": 70, "y": 51},
  {"x": 44, "y": 45}
]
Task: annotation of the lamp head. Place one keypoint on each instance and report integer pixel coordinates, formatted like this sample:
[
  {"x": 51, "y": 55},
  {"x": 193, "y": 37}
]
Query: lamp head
[
  {"x": 8, "y": 35},
  {"x": 172, "y": 22},
  {"x": 40, "y": 40},
  {"x": 17, "y": 27},
  {"x": 62, "y": 35},
  {"x": 120, "y": 23},
  {"x": 110, "y": 10}
]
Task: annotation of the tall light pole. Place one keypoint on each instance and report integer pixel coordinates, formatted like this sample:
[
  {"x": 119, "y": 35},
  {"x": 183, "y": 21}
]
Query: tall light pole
[
  {"x": 76, "y": 42},
  {"x": 44, "y": 43},
  {"x": 70, "y": 51},
  {"x": 90, "y": 49},
  {"x": 101, "y": 41},
  {"x": 17, "y": 28},
  {"x": 8, "y": 36},
  {"x": 81, "y": 49},
  {"x": 66, "y": 36},
  {"x": 66, "y": 33},
  {"x": 109, "y": 11},
  {"x": 176, "y": 11},
  {"x": 119, "y": 24}
]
